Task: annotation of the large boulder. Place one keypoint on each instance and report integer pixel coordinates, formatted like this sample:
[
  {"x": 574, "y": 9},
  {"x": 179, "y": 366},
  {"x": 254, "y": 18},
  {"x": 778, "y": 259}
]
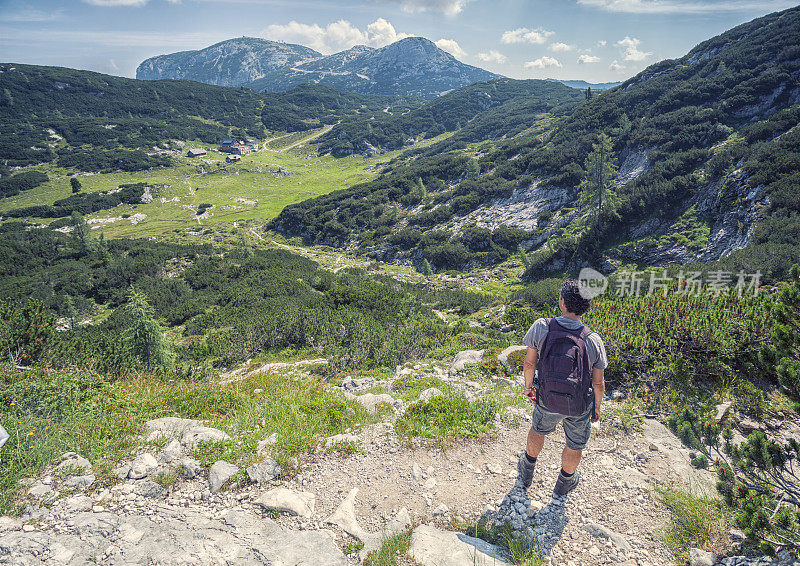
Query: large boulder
[
  {"x": 236, "y": 536},
  {"x": 73, "y": 460},
  {"x": 345, "y": 518},
  {"x": 433, "y": 547},
  {"x": 190, "y": 432},
  {"x": 430, "y": 393},
  {"x": 465, "y": 357},
  {"x": 372, "y": 402},
  {"x": 288, "y": 501},
  {"x": 511, "y": 365}
]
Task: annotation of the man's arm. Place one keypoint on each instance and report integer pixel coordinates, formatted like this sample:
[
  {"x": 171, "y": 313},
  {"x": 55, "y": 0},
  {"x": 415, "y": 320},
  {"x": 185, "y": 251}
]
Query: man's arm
[
  {"x": 528, "y": 370},
  {"x": 599, "y": 386}
]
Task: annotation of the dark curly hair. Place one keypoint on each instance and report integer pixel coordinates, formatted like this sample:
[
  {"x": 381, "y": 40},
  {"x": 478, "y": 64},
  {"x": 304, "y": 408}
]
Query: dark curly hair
[{"x": 573, "y": 300}]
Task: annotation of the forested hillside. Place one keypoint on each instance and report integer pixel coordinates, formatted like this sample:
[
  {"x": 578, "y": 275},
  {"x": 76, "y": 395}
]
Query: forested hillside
[
  {"x": 92, "y": 122},
  {"x": 706, "y": 147},
  {"x": 454, "y": 111}
]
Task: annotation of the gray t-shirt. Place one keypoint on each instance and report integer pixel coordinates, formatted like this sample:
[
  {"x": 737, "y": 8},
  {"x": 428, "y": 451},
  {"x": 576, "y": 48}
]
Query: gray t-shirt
[{"x": 594, "y": 345}]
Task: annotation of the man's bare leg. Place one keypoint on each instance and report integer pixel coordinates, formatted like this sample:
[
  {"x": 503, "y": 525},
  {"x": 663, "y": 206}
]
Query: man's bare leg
[
  {"x": 535, "y": 443},
  {"x": 569, "y": 458}
]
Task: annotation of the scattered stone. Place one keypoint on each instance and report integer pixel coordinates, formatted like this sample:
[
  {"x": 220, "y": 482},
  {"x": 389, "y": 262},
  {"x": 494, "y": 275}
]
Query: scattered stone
[
  {"x": 494, "y": 468},
  {"x": 190, "y": 468},
  {"x": 190, "y": 432},
  {"x": 373, "y": 403},
  {"x": 433, "y": 547},
  {"x": 416, "y": 472},
  {"x": 142, "y": 466},
  {"x": 341, "y": 439},
  {"x": 286, "y": 500},
  {"x": 465, "y": 357},
  {"x": 617, "y": 395},
  {"x": 748, "y": 425},
  {"x": 79, "y": 482},
  {"x": 699, "y": 557},
  {"x": 722, "y": 410},
  {"x": 220, "y": 472},
  {"x": 172, "y": 452},
  {"x": 150, "y": 489},
  {"x": 73, "y": 460},
  {"x": 28, "y": 528},
  {"x": 267, "y": 442},
  {"x": 599, "y": 531},
  {"x": 98, "y": 509},
  {"x": 264, "y": 472},
  {"x": 441, "y": 510},
  {"x": 122, "y": 470},
  {"x": 191, "y": 438},
  {"x": 429, "y": 394}
]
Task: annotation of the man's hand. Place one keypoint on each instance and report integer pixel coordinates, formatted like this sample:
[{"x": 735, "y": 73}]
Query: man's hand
[
  {"x": 531, "y": 394},
  {"x": 595, "y": 414}
]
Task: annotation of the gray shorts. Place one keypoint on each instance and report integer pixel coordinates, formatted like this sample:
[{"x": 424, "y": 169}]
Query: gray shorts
[{"x": 576, "y": 429}]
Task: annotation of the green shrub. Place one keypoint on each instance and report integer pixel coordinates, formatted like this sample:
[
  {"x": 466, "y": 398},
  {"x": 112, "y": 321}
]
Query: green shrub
[
  {"x": 695, "y": 522},
  {"x": 447, "y": 417}
]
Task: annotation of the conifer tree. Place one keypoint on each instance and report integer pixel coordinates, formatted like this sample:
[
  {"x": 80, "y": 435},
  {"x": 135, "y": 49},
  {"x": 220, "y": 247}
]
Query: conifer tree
[
  {"x": 143, "y": 336},
  {"x": 599, "y": 170}
]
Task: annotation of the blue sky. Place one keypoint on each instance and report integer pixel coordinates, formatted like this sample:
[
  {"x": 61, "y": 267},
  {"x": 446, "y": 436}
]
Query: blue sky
[{"x": 594, "y": 40}]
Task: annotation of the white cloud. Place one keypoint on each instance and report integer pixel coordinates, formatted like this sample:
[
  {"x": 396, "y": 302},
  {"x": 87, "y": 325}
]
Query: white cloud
[
  {"x": 449, "y": 7},
  {"x": 335, "y": 36},
  {"x": 616, "y": 66},
  {"x": 525, "y": 35},
  {"x": 543, "y": 62},
  {"x": 585, "y": 58},
  {"x": 631, "y": 49},
  {"x": 686, "y": 6},
  {"x": 451, "y": 46},
  {"x": 28, "y": 14},
  {"x": 559, "y": 46},
  {"x": 602, "y": 43},
  {"x": 380, "y": 33},
  {"x": 111, "y": 3},
  {"x": 492, "y": 57}
]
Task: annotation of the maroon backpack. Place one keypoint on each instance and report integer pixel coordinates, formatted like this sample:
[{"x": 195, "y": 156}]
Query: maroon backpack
[{"x": 565, "y": 372}]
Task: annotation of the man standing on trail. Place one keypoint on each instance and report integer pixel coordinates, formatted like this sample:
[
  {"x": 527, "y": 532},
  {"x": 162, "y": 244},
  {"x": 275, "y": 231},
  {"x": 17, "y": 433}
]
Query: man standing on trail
[{"x": 570, "y": 360}]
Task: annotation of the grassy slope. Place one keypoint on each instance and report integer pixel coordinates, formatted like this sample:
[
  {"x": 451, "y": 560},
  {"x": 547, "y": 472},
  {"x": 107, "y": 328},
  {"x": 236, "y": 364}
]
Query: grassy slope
[{"x": 252, "y": 180}]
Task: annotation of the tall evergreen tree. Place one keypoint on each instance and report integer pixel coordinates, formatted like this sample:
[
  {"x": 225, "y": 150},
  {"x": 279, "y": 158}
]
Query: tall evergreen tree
[
  {"x": 143, "y": 336},
  {"x": 75, "y": 184},
  {"x": 81, "y": 232},
  {"x": 599, "y": 170}
]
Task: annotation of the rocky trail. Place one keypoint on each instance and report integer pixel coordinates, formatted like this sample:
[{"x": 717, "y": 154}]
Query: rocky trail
[{"x": 340, "y": 506}]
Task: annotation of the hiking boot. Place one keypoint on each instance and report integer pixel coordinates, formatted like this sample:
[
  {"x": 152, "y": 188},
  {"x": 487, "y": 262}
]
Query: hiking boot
[
  {"x": 524, "y": 472},
  {"x": 566, "y": 484}
]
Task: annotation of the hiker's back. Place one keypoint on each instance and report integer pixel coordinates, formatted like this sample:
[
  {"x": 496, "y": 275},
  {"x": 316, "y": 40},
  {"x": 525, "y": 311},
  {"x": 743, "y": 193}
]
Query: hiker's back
[{"x": 565, "y": 370}]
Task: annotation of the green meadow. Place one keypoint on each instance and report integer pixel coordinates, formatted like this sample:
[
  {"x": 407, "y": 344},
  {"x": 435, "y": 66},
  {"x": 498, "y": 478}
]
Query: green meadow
[{"x": 258, "y": 187}]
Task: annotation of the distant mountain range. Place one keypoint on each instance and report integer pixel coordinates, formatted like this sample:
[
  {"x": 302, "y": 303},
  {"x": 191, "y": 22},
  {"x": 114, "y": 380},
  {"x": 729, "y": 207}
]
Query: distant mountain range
[
  {"x": 412, "y": 66},
  {"x": 583, "y": 85}
]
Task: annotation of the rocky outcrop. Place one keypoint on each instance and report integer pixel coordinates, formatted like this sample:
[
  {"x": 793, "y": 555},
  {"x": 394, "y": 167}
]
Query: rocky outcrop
[
  {"x": 433, "y": 547},
  {"x": 236, "y": 536}
]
